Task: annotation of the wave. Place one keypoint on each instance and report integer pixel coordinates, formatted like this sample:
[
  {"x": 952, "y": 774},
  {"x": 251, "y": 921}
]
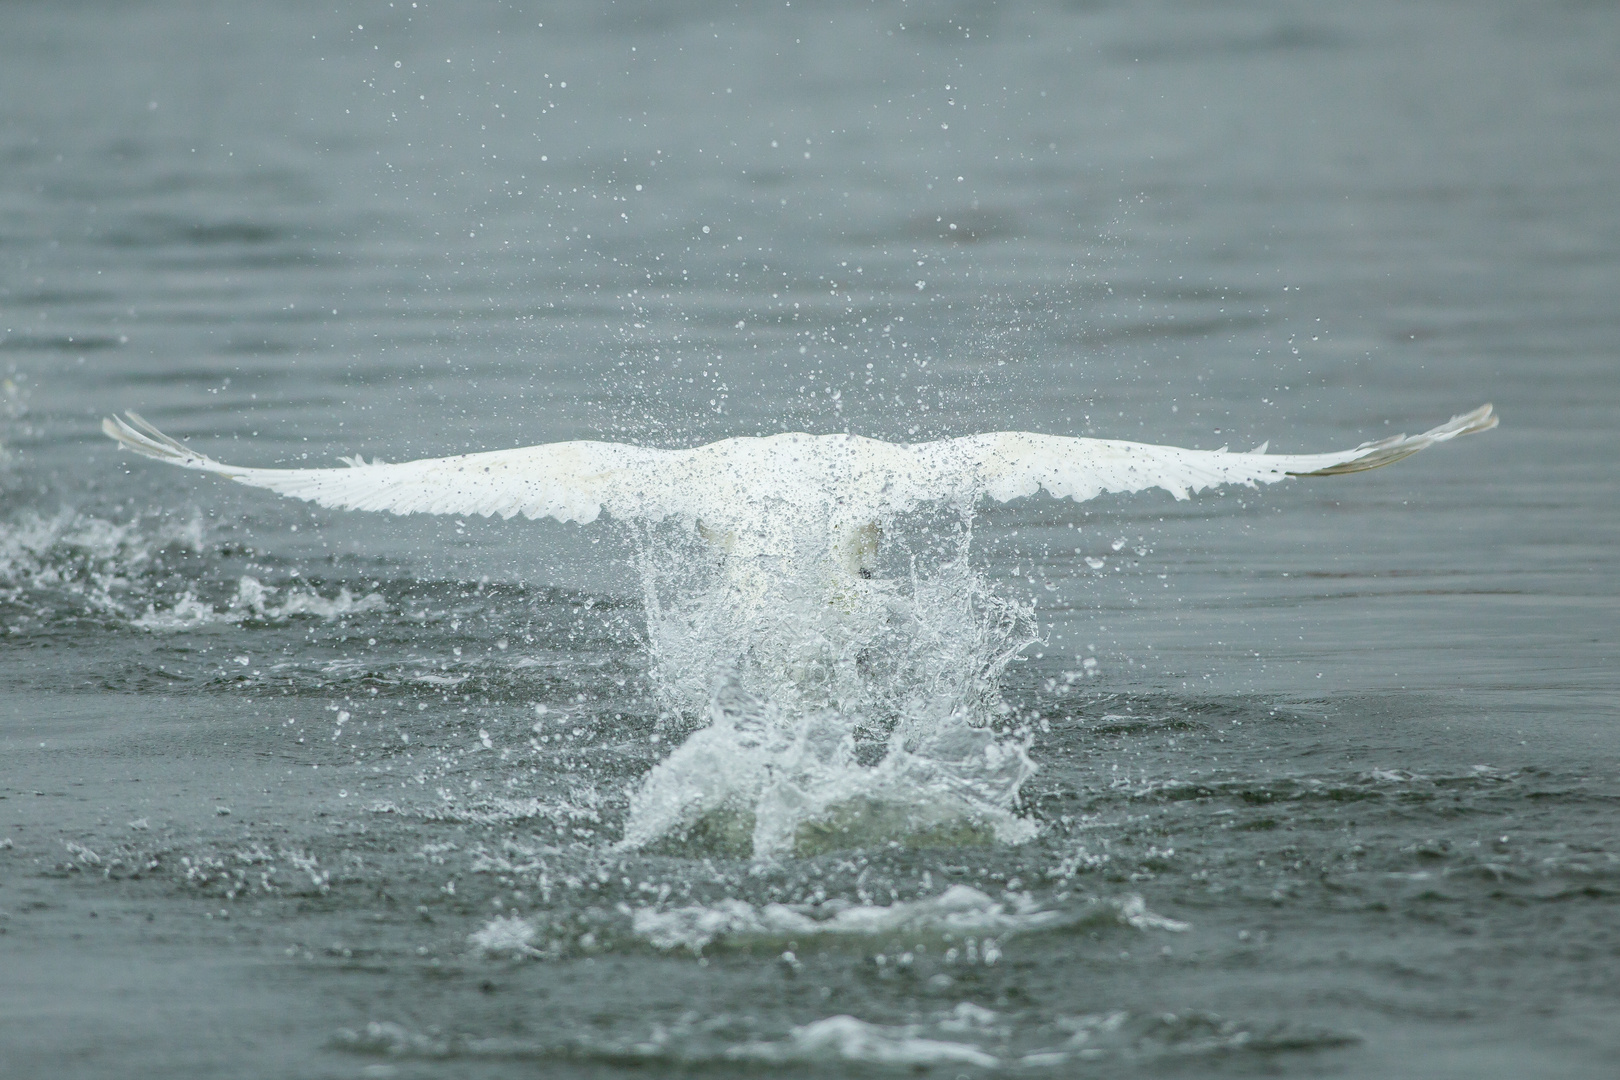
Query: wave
[
  {"x": 966, "y": 1036},
  {"x": 960, "y": 924},
  {"x": 86, "y": 564},
  {"x": 844, "y": 1038},
  {"x": 959, "y": 913},
  {"x": 75, "y": 565},
  {"x": 253, "y": 602}
]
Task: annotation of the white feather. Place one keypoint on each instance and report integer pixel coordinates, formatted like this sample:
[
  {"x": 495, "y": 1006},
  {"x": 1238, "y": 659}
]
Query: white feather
[{"x": 739, "y": 484}]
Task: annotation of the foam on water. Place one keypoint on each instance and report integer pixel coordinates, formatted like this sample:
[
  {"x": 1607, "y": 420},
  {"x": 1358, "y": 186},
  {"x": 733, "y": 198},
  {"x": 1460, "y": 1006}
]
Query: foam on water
[
  {"x": 968, "y": 1035},
  {"x": 844, "y": 1038},
  {"x": 960, "y": 912},
  {"x": 958, "y": 926},
  {"x": 255, "y": 601},
  {"x": 832, "y": 707},
  {"x": 90, "y": 562},
  {"x": 833, "y": 1039},
  {"x": 506, "y": 936},
  {"x": 123, "y": 572}
]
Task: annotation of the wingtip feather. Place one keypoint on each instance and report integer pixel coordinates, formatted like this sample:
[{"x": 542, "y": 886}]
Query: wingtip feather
[
  {"x": 1375, "y": 455},
  {"x": 137, "y": 434}
]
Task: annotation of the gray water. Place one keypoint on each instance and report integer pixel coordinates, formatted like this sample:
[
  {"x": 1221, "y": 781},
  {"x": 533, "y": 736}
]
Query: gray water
[{"x": 1326, "y": 773}]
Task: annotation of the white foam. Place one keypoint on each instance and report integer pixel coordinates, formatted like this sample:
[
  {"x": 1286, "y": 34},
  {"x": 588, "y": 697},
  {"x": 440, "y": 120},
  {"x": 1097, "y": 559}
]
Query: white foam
[
  {"x": 580, "y": 808},
  {"x": 959, "y": 912},
  {"x": 505, "y": 936},
  {"x": 844, "y": 1038},
  {"x": 188, "y": 613},
  {"x": 84, "y": 559},
  {"x": 253, "y": 601},
  {"x": 112, "y": 568}
]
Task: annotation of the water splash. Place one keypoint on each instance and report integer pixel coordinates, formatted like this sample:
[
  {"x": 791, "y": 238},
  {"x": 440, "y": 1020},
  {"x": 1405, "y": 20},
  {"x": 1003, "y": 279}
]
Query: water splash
[
  {"x": 959, "y": 913},
  {"x": 85, "y": 563},
  {"x": 78, "y": 565},
  {"x": 255, "y": 601},
  {"x": 832, "y": 701},
  {"x": 844, "y": 1038},
  {"x": 13, "y": 408}
]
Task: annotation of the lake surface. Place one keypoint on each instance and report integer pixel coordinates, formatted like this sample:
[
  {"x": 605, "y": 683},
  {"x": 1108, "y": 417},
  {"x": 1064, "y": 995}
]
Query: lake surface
[{"x": 1325, "y": 775}]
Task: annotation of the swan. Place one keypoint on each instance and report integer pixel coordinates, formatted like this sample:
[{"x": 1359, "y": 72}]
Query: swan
[{"x": 776, "y": 647}]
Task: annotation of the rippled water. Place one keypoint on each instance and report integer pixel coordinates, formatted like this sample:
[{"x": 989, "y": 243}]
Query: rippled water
[{"x": 1324, "y": 775}]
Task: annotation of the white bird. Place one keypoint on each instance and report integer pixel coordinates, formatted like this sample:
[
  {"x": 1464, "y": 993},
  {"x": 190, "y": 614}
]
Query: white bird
[{"x": 756, "y": 495}]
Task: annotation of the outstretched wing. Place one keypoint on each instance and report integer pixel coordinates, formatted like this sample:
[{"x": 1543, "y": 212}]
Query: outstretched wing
[
  {"x": 733, "y": 482},
  {"x": 1011, "y": 464},
  {"x": 569, "y": 481}
]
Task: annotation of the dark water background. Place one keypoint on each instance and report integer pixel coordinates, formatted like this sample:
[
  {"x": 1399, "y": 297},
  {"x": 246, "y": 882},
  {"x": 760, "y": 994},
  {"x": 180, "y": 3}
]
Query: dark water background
[{"x": 1359, "y": 734}]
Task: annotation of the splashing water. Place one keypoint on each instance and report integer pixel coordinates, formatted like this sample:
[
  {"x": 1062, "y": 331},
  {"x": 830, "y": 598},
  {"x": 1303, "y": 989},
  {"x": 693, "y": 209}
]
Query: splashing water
[
  {"x": 85, "y": 562},
  {"x": 254, "y": 601},
  {"x": 78, "y": 565},
  {"x": 830, "y": 694},
  {"x": 959, "y": 913},
  {"x": 829, "y": 704}
]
